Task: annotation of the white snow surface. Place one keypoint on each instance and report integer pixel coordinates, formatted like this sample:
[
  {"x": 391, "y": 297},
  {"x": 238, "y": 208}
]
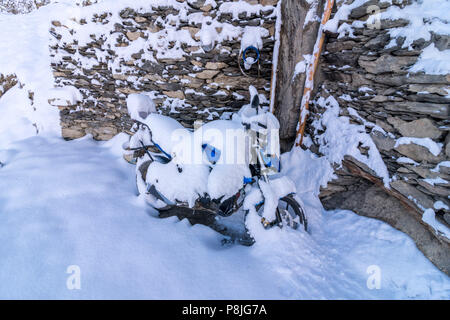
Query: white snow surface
[
  {"x": 74, "y": 203},
  {"x": 24, "y": 52}
]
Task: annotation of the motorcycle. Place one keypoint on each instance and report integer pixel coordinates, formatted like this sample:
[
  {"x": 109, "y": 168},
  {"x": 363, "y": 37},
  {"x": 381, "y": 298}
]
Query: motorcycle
[{"x": 218, "y": 170}]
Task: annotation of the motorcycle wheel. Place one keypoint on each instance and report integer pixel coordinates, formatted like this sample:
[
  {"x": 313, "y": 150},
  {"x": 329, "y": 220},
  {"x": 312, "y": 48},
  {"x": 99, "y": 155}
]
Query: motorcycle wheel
[{"x": 287, "y": 211}]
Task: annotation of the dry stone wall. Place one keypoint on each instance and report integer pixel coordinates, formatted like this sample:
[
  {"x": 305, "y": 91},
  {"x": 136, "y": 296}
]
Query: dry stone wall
[
  {"x": 162, "y": 50},
  {"x": 7, "y": 82},
  {"x": 361, "y": 72}
]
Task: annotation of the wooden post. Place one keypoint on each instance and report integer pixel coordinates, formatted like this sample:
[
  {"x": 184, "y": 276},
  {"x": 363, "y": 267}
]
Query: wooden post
[{"x": 309, "y": 82}]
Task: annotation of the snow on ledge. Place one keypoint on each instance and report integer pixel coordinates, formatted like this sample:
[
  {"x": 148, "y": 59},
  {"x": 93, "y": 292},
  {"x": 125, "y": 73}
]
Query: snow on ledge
[
  {"x": 429, "y": 217},
  {"x": 341, "y": 138},
  {"x": 433, "y": 147}
]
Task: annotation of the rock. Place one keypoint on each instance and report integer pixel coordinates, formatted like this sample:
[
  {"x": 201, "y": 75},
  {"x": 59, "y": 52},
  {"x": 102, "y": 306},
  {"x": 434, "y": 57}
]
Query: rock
[
  {"x": 434, "y": 189},
  {"x": 363, "y": 10},
  {"x": 153, "y": 77},
  {"x": 192, "y": 30},
  {"x": 358, "y": 80},
  {"x": 153, "y": 28},
  {"x": 207, "y": 74},
  {"x": 268, "y": 2},
  {"x": 174, "y": 94},
  {"x": 421, "y": 128},
  {"x": 379, "y": 98},
  {"x": 437, "y": 89},
  {"x": 134, "y": 35},
  {"x": 398, "y": 80},
  {"x": 386, "y": 127},
  {"x": 435, "y": 110},
  {"x": 383, "y": 142},
  {"x": 215, "y": 65},
  {"x": 441, "y": 41},
  {"x": 447, "y": 218},
  {"x": 59, "y": 74},
  {"x": 411, "y": 193},
  {"x": 206, "y": 8},
  {"x": 191, "y": 49},
  {"x": 331, "y": 189},
  {"x": 103, "y": 133},
  {"x": 56, "y": 23},
  {"x": 424, "y": 172},
  {"x": 140, "y": 19},
  {"x": 191, "y": 82},
  {"x": 127, "y": 90},
  {"x": 378, "y": 42},
  {"x": 447, "y": 145},
  {"x": 197, "y": 63},
  {"x": 72, "y": 133},
  {"x": 389, "y": 23},
  {"x": 403, "y": 170},
  {"x": 120, "y": 76},
  {"x": 387, "y": 63},
  {"x": 418, "y": 153},
  {"x": 224, "y": 81},
  {"x": 197, "y": 4},
  {"x": 173, "y": 61}
]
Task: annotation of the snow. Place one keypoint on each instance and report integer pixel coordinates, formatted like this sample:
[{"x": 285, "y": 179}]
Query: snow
[
  {"x": 425, "y": 17},
  {"x": 343, "y": 13},
  {"x": 300, "y": 67},
  {"x": 273, "y": 190},
  {"x": 237, "y": 7},
  {"x": 29, "y": 60},
  {"x": 16, "y": 120},
  {"x": 225, "y": 179},
  {"x": 429, "y": 217},
  {"x": 433, "y": 61},
  {"x": 440, "y": 205},
  {"x": 179, "y": 181},
  {"x": 433, "y": 181},
  {"x": 252, "y": 37},
  {"x": 441, "y": 164},
  {"x": 74, "y": 203},
  {"x": 64, "y": 96},
  {"x": 434, "y": 147},
  {"x": 140, "y": 106},
  {"x": 166, "y": 131},
  {"x": 366, "y": 123},
  {"x": 406, "y": 160},
  {"x": 341, "y": 138}
]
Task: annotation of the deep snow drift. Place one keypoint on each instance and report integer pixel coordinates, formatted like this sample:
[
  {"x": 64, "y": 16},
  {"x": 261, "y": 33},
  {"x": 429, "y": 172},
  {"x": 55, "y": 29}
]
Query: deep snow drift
[{"x": 75, "y": 203}]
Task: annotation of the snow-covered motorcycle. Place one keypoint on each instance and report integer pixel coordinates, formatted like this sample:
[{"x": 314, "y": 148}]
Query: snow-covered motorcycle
[{"x": 215, "y": 174}]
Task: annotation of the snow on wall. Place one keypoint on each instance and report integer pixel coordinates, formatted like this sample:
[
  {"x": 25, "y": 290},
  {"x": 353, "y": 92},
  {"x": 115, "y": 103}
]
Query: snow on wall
[{"x": 184, "y": 54}]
